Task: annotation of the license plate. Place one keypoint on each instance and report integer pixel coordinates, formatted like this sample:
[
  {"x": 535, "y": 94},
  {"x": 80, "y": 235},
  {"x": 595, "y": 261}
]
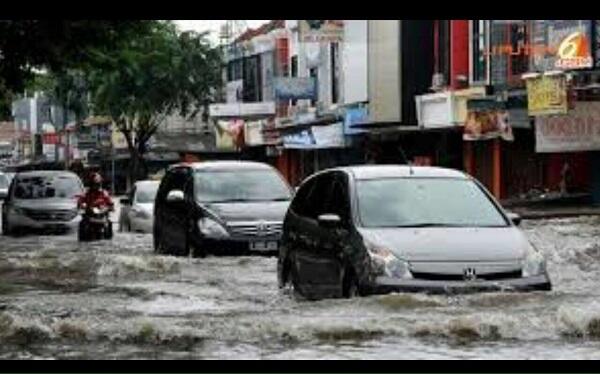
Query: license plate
[{"x": 263, "y": 246}]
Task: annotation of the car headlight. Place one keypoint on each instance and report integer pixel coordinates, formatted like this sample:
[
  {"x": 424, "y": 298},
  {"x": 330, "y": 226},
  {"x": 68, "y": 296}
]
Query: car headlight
[
  {"x": 533, "y": 264},
  {"x": 386, "y": 263},
  {"x": 212, "y": 228}
]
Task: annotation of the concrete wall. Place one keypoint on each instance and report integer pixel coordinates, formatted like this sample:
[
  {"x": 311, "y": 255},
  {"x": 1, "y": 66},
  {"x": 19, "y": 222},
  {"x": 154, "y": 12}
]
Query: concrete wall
[
  {"x": 384, "y": 70},
  {"x": 354, "y": 62}
]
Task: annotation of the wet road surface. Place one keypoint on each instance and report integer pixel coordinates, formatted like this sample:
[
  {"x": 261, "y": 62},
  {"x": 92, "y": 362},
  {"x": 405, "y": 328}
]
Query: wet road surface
[{"x": 61, "y": 299}]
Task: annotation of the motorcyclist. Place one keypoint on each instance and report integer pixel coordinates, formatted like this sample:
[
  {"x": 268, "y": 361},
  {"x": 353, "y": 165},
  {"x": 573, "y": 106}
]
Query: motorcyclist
[{"x": 95, "y": 195}]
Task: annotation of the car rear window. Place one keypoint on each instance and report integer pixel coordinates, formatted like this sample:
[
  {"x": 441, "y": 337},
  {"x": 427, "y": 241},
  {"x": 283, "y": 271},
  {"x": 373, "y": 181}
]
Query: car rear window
[{"x": 46, "y": 187}]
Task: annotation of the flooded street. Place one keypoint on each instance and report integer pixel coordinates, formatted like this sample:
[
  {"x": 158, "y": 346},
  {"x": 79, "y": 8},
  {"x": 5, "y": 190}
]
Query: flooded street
[{"x": 64, "y": 300}]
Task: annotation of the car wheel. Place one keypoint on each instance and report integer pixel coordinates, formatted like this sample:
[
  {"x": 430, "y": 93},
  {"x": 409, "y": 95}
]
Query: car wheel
[
  {"x": 285, "y": 275},
  {"x": 158, "y": 243},
  {"x": 350, "y": 286},
  {"x": 108, "y": 233},
  {"x": 5, "y": 227},
  {"x": 186, "y": 248},
  {"x": 294, "y": 281},
  {"x": 81, "y": 232}
]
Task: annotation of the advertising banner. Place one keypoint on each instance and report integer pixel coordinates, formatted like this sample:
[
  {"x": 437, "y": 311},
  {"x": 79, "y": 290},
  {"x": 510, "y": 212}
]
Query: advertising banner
[
  {"x": 321, "y": 31},
  {"x": 577, "y": 131},
  {"x": 547, "y": 95},
  {"x": 561, "y": 44},
  {"x": 229, "y": 135},
  {"x": 295, "y": 88},
  {"x": 487, "y": 119}
]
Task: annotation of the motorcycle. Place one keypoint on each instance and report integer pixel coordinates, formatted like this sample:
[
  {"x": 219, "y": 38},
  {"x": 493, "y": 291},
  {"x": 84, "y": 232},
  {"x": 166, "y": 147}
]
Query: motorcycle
[{"x": 95, "y": 224}]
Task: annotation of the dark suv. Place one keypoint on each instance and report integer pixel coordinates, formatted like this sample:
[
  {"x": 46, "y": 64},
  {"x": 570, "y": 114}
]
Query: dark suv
[{"x": 226, "y": 207}]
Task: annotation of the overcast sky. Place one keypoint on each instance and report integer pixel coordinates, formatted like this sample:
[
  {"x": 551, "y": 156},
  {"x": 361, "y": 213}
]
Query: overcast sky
[{"x": 211, "y": 25}]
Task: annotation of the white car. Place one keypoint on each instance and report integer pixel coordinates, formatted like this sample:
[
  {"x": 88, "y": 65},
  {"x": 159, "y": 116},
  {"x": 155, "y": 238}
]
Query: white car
[
  {"x": 42, "y": 200},
  {"x": 137, "y": 209},
  {"x": 4, "y": 183}
]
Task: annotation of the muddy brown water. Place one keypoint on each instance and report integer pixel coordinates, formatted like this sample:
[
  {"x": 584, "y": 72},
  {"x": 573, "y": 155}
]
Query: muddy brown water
[{"x": 61, "y": 299}]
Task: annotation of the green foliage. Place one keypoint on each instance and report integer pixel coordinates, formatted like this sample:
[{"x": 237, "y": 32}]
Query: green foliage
[{"x": 158, "y": 74}]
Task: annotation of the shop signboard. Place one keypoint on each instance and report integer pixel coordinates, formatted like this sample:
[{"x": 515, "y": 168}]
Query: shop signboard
[
  {"x": 561, "y": 44},
  {"x": 354, "y": 116},
  {"x": 241, "y": 109},
  {"x": 253, "y": 133},
  {"x": 329, "y": 136},
  {"x": 293, "y": 88},
  {"x": 317, "y": 137},
  {"x": 321, "y": 31},
  {"x": 577, "y": 131},
  {"x": 547, "y": 94},
  {"x": 487, "y": 119},
  {"x": 303, "y": 139}
]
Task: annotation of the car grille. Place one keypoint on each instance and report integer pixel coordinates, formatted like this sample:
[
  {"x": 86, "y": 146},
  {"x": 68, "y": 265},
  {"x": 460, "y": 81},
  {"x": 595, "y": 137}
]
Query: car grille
[
  {"x": 51, "y": 215},
  {"x": 460, "y": 277},
  {"x": 255, "y": 229}
]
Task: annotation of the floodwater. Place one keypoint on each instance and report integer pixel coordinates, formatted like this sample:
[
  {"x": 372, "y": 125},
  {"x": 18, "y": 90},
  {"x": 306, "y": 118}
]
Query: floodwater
[{"x": 63, "y": 300}]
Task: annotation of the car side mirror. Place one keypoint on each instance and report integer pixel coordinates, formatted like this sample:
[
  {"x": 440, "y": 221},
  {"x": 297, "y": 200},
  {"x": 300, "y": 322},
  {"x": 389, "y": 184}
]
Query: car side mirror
[
  {"x": 515, "y": 218},
  {"x": 329, "y": 221},
  {"x": 125, "y": 201},
  {"x": 175, "y": 196}
]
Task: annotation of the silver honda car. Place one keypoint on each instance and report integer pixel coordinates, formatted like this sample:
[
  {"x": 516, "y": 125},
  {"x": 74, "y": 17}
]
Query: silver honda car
[
  {"x": 42, "y": 200},
  {"x": 377, "y": 229}
]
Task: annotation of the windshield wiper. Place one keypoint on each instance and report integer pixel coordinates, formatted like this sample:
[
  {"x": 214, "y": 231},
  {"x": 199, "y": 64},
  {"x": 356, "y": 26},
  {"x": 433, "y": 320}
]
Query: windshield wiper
[
  {"x": 226, "y": 201},
  {"x": 431, "y": 224}
]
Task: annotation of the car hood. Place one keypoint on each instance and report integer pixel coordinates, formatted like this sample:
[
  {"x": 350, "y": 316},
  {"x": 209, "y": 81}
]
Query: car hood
[
  {"x": 249, "y": 211},
  {"x": 455, "y": 244},
  {"x": 46, "y": 204}
]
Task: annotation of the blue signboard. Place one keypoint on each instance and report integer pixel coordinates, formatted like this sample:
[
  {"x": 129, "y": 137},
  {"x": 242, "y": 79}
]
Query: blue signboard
[
  {"x": 300, "y": 140},
  {"x": 355, "y": 116},
  {"x": 295, "y": 88}
]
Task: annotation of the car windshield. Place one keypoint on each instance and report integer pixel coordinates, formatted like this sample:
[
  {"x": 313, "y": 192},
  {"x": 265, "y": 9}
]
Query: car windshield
[
  {"x": 422, "y": 202},
  {"x": 240, "y": 185},
  {"x": 45, "y": 187},
  {"x": 3, "y": 181},
  {"x": 146, "y": 193}
]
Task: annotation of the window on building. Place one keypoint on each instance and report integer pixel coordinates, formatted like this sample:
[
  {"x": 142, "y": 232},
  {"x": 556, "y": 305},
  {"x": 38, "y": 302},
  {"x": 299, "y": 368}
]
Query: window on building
[
  {"x": 443, "y": 49},
  {"x": 479, "y": 50},
  {"x": 508, "y": 41},
  {"x": 252, "y": 86},
  {"x": 519, "y": 59},
  {"x": 294, "y": 72},
  {"x": 314, "y": 72},
  {"x": 335, "y": 81},
  {"x": 294, "y": 69}
]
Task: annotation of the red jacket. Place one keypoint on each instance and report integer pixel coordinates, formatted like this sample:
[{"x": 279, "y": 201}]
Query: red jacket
[{"x": 98, "y": 198}]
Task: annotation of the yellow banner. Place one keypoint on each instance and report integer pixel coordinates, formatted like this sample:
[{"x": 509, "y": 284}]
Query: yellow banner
[{"x": 547, "y": 95}]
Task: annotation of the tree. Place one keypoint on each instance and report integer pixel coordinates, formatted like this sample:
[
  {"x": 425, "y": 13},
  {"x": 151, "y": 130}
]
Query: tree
[
  {"x": 55, "y": 46},
  {"x": 153, "y": 76}
]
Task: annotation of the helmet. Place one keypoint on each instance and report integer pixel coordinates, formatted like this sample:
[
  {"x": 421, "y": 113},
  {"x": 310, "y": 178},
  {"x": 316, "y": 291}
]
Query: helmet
[{"x": 95, "y": 180}]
